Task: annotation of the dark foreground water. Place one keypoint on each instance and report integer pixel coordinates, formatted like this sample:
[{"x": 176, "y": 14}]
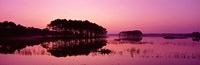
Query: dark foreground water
[{"x": 110, "y": 51}]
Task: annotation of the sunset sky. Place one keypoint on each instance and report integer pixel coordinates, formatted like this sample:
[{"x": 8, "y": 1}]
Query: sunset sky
[{"x": 149, "y": 16}]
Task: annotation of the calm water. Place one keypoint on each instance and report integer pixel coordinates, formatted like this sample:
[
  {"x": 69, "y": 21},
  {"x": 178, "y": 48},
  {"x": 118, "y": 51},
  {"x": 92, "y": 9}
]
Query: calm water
[{"x": 110, "y": 51}]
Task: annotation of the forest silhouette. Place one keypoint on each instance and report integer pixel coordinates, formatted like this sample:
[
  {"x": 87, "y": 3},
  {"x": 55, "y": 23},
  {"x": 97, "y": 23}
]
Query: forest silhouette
[
  {"x": 70, "y": 37},
  {"x": 57, "y": 28},
  {"x": 196, "y": 36},
  {"x": 76, "y": 28}
]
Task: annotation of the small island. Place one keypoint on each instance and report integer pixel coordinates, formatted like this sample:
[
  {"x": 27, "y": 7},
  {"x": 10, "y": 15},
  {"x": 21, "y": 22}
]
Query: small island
[
  {"x": 196, "y": 36},
  {"x": 134, "y": 35}
]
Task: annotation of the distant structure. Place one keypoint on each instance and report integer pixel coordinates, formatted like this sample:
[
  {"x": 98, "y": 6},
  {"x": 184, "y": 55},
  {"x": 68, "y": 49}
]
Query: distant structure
[{"x": 134, "y": 35}]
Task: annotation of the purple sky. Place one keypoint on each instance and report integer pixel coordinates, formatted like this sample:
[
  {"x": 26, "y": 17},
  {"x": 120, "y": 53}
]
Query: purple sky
[{"x": 149, "y": 16}]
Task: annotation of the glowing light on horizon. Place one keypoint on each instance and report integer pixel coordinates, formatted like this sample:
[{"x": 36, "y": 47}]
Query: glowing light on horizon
[{"x": 115, "y": 15}]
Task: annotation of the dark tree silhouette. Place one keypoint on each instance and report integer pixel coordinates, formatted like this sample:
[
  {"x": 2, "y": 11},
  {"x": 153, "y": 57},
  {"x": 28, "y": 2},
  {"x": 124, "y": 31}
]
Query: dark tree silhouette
[
  {"x": 76, "y": 28},
  {"x": 134, "y": 35},
  {"x": 196, "y": 36},
  {"x": 11, "y": 33},
  {"x": 57, "y": 28},
  {"x": 63, "y": 48},
  {"x": 10, "y": 29},
  {"x": 56, "y": 47}
]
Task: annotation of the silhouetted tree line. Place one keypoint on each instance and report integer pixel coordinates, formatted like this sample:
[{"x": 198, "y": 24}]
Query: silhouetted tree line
[
  {"x": 77, "y": 28},
  {"x": 57, "y": 28},
  {"x": 135, "y": 35},
  {"x": 196, "y": 36},
  {"x": 10, "y": 29}
]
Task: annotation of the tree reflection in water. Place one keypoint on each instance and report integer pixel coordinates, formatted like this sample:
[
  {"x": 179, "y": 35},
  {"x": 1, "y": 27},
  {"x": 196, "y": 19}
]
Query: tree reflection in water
[
  {"x": 57, "y": 48},
  {"x": 32, "y": 50},
  {"x": 133, "y": 39},
  {"x": 10, "y": 46},
  {"x": 63, "y": 48},
  {"x": 94, "y": 47}
]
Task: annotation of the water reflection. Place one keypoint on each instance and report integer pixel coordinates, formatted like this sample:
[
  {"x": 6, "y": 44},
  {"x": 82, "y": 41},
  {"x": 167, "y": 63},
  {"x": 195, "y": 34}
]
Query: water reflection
[
  {"x": 174, "y": 37},
  {"x": 196, "y": 39},
  {"x": 180, "y": 44},
  {"x": 134, "y": 38},
  {"x": 57, "y": 48},
  {"x": 129, "y": 40},
  {"x": 96, "y": 50},
  {"x": 63, "y": 48},
  {"x": 32, "y": 50},
  {"x": 10, "y": 46},
  {"x": 177, "y": 49},
  {"x": 149, "y": 53}
]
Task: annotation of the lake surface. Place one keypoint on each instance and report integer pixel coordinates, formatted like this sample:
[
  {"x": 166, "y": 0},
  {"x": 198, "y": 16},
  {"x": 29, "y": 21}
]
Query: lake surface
[{"x": 109, "y": 51}]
